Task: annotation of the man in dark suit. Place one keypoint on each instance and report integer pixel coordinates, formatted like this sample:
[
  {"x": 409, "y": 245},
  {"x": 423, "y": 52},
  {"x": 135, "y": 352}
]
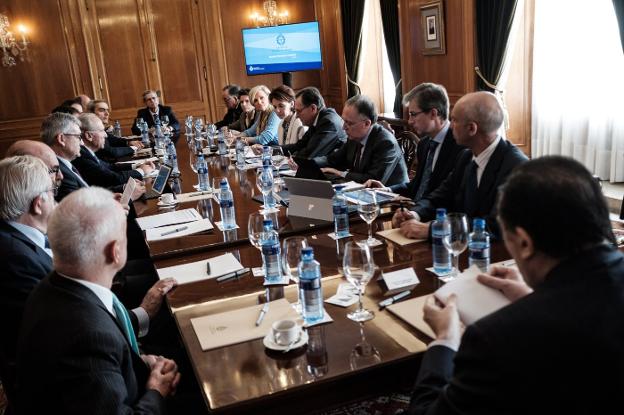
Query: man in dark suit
[
  {"x": 152, "y": 111},
  {"x": 325, "y": 133},
  {"x": 114, "y": 147},
  {"x": 371, "y": 152},
  {"x": 473, "y": 185},
  {"x": 234, "y": 110},
  {"x": 42, "y": 152},
  {"x": 98, "y": 172},
  {"x": 90, "y": 362},
  {"x": 437, "y": 152},
  {"x": 557, "y": 348},
  {"x": 26, "y": 202}
]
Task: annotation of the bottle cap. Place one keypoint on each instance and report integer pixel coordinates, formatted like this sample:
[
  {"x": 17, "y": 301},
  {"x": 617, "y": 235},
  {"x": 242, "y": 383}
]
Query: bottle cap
[
  {"x": 224, "y": 184},
  {"x": 307, "y": 251},
  {"x": 267, "y": 222},
  {"x": 440, "y": 212},
  {"x": 339, "y": 188},
  {"x": 478, "y": 223}
]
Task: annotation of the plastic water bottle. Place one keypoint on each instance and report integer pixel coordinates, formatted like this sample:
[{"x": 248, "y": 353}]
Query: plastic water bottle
[
  {"x": 159, "y": 138},
  {"x": 479, "y": 245},
  {"x": 144, "y": 133},
  {"x": 202, "y": 173},
  {"x": 117, "y": 129},
  {"x": 266, "y": 156},
  {"x": 441, "y": 228},
  {"x": 341, "y": 215},
  {"x": 310, "y": 290},
  {"x": 222, "y": 148},
  {"x": 271, "y": 252},
  {"x": 188, "y": 124},
  {"x": 240, "y": 153},
  {"x": 267, "y": 187},
  {"x": 226, "y": 203},
  {"x": 173, "y": 158}
]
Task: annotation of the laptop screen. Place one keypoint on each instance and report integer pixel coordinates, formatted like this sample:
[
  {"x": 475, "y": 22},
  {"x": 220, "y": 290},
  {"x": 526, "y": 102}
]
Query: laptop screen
[{"x": 161, "y": 179}]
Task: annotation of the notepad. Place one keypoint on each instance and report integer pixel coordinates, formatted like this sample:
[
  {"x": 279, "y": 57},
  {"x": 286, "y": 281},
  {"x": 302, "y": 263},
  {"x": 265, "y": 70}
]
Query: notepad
[
  {"x": 197, "y": 271},
  {"x": 474, "y": 300},
  {"x": 237, "y": 326},
  {"x": 156, "y": 234},
  {"x": 395, "y": 236},
  {"x": 138, "y": 161},
  {"x": 411, "y": 311},
  {"x": 169, "y": 218},
  {"x": 193, "y": 196}
]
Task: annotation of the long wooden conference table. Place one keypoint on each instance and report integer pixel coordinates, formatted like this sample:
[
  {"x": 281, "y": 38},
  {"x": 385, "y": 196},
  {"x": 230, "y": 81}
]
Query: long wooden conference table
[{"x": 337, "y": 364}]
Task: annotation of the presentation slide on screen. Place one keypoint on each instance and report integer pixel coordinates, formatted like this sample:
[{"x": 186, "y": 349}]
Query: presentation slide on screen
[{"x": 282, "y": 48}]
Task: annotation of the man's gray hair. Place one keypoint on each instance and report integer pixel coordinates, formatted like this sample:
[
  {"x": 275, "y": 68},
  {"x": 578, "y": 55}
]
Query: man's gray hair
[
  {"x": 22, "y": 179},
  {"x": 88, "y": 121},
  {"x": 364, "y": 106},
  {"x": 83, "y": 224},
  {"x": 55, "y": 124},
  {"x": 149, "y": 91},
  {"x": 429, "y": 96}
]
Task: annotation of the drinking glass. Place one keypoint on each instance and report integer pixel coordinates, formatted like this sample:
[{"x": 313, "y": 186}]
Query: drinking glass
[
  {"x": 358, "y": 268},
  {"x": 363, "y": 354},
  {"x": 230, "y": 138},
  {"x": 457, "y": 241},
  {"x": 164, "y": 120},
  {"x": 255, "y": 227},
  {"x": 291, "y": 256},
  {"x": 216, "y": 185},
  {"x": 368, "y": 210},
  {"x": 265, "y": 190},
  {"x": 277, "y": 159},
  {"x": 193, "y": 164}
]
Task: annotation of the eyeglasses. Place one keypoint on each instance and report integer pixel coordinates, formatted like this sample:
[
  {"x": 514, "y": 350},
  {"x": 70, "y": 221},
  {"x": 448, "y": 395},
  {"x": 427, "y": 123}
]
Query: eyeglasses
[
  {"x": 350, "y": 124},
  {"x": 54, "y": 190},
  {"x": 54, "y": 170},
  {"x": 415, "y": 113},
  {"x": 73, "y": 135}
]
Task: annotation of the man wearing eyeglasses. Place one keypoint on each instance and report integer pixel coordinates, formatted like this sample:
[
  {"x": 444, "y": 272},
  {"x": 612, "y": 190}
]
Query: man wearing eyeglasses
[
  {"x": 114, "y": 147},
  {"x": 42, "y": 152},
  {"x": 154, "y": 110},
  {"x": 234, "y": 110},
  {"x": 26, "y": 202},
  {"x": 371, "y": 152}
]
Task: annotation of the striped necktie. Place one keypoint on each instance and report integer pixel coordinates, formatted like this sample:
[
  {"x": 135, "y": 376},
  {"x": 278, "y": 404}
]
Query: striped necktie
[{"x": 121, "y": 314}]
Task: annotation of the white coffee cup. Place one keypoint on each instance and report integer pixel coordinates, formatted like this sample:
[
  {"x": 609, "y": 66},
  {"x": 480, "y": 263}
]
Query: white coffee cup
[
  {"x": 285, "y": 332},
  {"x": 166, "y": 198}
]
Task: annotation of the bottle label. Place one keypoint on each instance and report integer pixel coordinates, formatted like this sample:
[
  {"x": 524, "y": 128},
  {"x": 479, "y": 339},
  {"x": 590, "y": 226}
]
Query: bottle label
[
  {"x": 479, "y": 253},
  {"x": 340, "y": 210},
  {"x": 226, "y": 203},
  {"x": 270, "y": 249}
]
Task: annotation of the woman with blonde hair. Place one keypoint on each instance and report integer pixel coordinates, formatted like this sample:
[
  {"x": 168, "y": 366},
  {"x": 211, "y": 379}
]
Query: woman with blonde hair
[{"x": 264, "y": 129}]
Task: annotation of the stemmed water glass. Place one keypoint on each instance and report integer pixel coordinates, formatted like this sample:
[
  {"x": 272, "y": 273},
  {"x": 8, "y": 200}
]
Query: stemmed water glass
[
  {"x": 363, "y": 354},
  {"x": 368, "y": 210},
  {"x": 277, "y": 159},
  {"x": 457, "y": 240},
  {"x": 291, "y": 256},
  {"x": 262, "y": 182},
  {"x": 255, "y": 227},
  {"x": 358, "y": 268},
  {"x": 164, "y": 120},
  {"x": 193, "y": 156}
]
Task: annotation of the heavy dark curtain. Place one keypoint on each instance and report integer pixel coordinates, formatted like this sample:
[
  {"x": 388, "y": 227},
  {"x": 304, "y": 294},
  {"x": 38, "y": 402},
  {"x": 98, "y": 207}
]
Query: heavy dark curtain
[
  {"x": 390, "y": 20},
  {"x": 352, "y": 16},
  {"x": 618, "y": 5},
  {"x": 494, "y": 19}
]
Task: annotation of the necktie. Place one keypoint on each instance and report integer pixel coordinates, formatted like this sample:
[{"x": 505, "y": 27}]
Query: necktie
[
  {"x": 358, "y": 156},
  {"x": 121, "y": 314},
  {"x": 471, "y": 199},
  {"x": 46, "y": 243},
  {"x": 426, "y": 175}
]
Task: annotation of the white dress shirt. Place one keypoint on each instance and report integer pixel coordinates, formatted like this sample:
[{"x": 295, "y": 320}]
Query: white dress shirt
[
  {"x": 483, "y": 158},
  {"x": 35, "y": 235}
]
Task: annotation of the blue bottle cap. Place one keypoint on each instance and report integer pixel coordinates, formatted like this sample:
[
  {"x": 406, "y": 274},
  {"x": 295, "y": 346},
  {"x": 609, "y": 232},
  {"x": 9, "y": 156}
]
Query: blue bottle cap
[
  {"x": 267, "y": 222},
  {"x": 478, "y": 223},
  {"x": 440, "y": 212},
  {"x": 307, "y": 251},
  {"x": 224, "y": 184}
]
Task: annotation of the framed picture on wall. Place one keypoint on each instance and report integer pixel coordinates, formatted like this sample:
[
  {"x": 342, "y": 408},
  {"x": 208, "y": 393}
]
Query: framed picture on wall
[{"x": 432, "y": 21}]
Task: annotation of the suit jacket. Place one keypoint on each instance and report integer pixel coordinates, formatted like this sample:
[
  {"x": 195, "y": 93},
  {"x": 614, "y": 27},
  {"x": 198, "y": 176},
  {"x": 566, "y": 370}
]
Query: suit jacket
[
  {"x": 555, "y": 351},
  {"x": 446, "y": 162},
  {"x": 230, "y": 116},
  {"x": 381, "y": 160},
  {"x": 322, "y": 139},
  {"x": 162, "y": 110},
  {"x": 114, "y": 148},
  {"x": 100, "y": 173},
  {"x": 74, "y": 358},
  {"x": 451, "y": 193},
  {"x": 243, "y": 122},
  {"x": 70, "y": 182},
  {"x": 22, "y": 266}
]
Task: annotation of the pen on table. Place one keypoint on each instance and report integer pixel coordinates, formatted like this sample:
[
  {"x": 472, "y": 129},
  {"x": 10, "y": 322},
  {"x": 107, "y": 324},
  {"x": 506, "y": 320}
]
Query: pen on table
[
  {"x": 394, "y": 299},
  {"x": 199, "y": 194},
  {"x": 183, "y": 228},
  {"x": 232, "y": 274},
  {"x": 208, "y": 267},
  {"x": 263, "y": 311}
]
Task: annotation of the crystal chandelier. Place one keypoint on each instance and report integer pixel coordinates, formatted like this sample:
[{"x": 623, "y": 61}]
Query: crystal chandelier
[
  {"x": 12, "y": 48},
  {"x": 272, "y": 17}
]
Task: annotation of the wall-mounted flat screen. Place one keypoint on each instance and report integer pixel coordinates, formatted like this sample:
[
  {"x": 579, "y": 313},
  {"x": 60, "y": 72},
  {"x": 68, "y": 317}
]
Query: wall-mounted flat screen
[{"x": 285, "y": 48}]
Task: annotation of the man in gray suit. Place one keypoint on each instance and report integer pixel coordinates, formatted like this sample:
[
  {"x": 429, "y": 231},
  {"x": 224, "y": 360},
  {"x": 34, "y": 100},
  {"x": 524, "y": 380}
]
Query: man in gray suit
[{"x": 371, "y": 152}]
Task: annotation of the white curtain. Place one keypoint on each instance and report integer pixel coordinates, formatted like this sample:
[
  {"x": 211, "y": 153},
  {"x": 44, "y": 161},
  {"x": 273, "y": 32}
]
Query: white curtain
[{"x": 578, "y": 85}]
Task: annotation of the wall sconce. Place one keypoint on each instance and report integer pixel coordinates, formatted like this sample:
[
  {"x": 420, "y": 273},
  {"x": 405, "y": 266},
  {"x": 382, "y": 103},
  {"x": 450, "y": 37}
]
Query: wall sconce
[
  {"x": 272, "y": 17},
  {"x": 11, "y": 48}
]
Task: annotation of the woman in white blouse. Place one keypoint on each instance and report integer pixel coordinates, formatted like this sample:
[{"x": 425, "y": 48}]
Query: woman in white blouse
[{"x": 290, "y": 129}]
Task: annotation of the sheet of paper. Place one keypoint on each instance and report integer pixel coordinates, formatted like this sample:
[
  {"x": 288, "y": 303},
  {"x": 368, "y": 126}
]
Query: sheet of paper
[
  {"x": 169, "y": 232},
  {"x": 326, "y": 319},
  {"x": 197, "y": 271},
  {"x": 411, "y": 311},
  {"x": 474, "y": 300},
  {"x": 359, "y": 196},
  {"x": 349, "y": 186},
  {"x": 395, "y": 236},
  {"x": 219, "y": 225},
  {"x": 289, "y": 173},
  {"x": 143, "y": 152},
  {"x": 237, "y": 326},
  {"x": 401, "y": 278},
  {"x": 346, "y": 295},
  {"x": 138, "y": 161},
  {"x": 128, "y": 190},
  {"x": 169, "y": 218},
  {"x": 193, "y": 196}
]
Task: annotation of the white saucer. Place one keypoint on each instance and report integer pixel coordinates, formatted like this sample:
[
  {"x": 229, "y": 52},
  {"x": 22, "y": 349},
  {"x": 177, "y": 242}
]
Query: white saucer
[
  {"x": 270, "y": 344},
  {"x": 165, "y": 205}
]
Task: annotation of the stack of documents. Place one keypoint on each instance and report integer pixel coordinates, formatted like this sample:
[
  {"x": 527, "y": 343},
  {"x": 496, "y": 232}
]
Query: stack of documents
[
  {"x": 169, "y": 218},
  {"x": 198, "y": 271}
]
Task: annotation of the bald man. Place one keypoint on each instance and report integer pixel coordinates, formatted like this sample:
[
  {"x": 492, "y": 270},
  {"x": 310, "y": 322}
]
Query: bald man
[
  {"x": 42, "y": 152},
  {"x": 473, "y": 186}
]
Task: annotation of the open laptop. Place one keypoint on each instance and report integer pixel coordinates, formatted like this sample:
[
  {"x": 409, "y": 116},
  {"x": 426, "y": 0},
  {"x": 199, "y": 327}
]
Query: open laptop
[
  {"x": 159, "y": 183},
  {"x": 310, "y": 198},
  {"x": 308, "y": 169}
]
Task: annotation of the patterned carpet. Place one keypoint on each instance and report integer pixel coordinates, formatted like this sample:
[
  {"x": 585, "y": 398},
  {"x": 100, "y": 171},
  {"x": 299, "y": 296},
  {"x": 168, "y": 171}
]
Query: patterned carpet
[
  {"x": 3, "y": 400},
  {"x": 379, "y": 405}
]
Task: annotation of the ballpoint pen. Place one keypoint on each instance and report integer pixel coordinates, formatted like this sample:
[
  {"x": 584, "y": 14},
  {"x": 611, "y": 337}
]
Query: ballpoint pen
[
  {"x": 208, "y": 267},
  {"x": 232, "y": 274},
  {"x": 183, "y": 228},
  {"x": 199, "y": 194},
  {"x": 392, "y": 300},
  {"x": 263, "y": 311}
]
